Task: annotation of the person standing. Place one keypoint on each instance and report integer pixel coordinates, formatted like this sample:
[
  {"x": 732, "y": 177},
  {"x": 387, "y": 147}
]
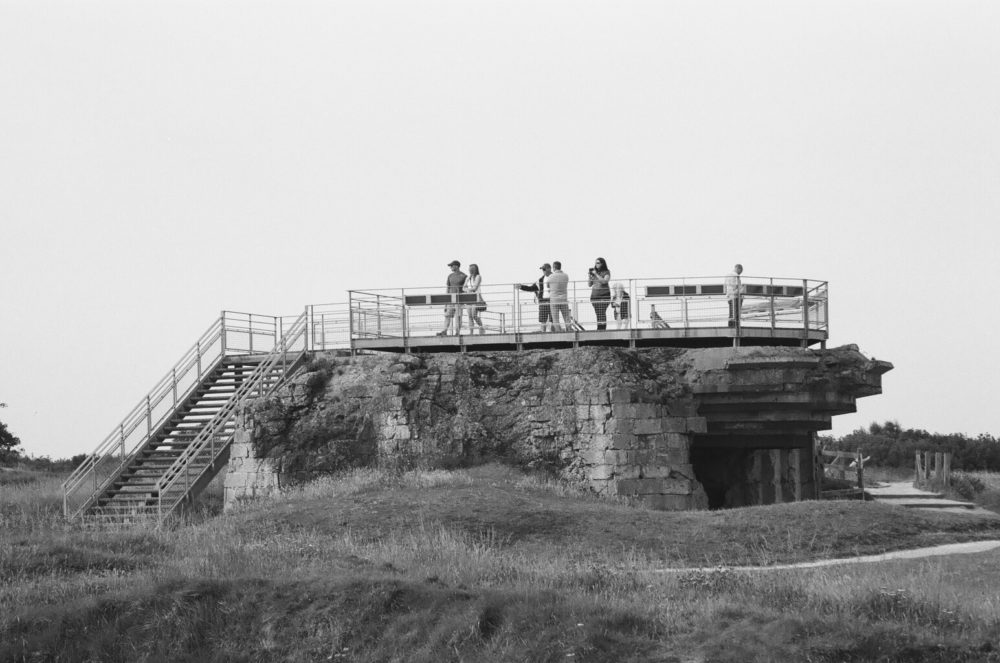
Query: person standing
[
  {"x": 620, "y": 305},
  {"x": 472, "y": 285},
  {"x": 598, "y": 278},
  {"x": 453, "y": 311},
  {"x": 541, "y": 290},
  {"x": 734, "y": 294},
  {"x": 558, "y": 298}
]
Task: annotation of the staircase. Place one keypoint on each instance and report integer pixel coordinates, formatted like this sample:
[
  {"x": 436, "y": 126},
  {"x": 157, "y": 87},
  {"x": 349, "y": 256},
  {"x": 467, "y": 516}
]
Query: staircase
[{"x": 189, "y": 420}]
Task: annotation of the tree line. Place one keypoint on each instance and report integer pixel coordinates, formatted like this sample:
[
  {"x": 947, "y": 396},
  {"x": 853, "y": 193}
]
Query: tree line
[{"x": 890, "y": 445}]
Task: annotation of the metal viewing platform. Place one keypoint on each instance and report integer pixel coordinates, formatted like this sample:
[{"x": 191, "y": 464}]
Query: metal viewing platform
[{"x": 678, "y": 312}]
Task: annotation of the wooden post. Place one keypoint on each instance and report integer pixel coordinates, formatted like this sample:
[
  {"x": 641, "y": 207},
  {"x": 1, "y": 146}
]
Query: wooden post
[
  {"x": 918, "y": 470},
  {"x": 938, "y": 468},
  {"x": 861, "y": 470},
  {"x": 927, "y": 465},
  {"x": 947, "y": 469}
]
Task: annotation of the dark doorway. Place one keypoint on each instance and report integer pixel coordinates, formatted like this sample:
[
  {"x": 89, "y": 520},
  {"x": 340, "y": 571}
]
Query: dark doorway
[{"x": 722, "y": 472}]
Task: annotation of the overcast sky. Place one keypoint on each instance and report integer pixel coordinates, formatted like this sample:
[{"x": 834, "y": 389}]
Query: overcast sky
[{"x": 162, "y": 161}]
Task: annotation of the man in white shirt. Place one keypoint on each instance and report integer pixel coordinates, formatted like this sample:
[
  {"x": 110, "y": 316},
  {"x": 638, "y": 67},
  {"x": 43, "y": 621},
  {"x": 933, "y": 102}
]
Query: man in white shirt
[
  {"x": 734, "y": 293},
  {"x": 558, "y": 300}
]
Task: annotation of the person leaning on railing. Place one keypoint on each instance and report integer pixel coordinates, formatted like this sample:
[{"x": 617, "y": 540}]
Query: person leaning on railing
[
  {"x": 620, "y": 305},
  {"x": 540, "y": 288}
]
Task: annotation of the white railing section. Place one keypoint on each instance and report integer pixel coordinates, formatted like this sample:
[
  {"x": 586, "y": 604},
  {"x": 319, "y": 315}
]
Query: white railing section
[
  {"x": 213, "y": 438},
  {"x": 680, "y": 303},
  {"x": 231, "y": 333}
]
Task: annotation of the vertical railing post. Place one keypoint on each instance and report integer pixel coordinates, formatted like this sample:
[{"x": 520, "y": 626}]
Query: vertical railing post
[
  {"x": 516, "y": 313},
  {"x": 350, "y": 318},
  {"x": 311, "y": 330},
  {"x": 121, "y": 433},
  {"x": 378, "y": 315},
  {"x": 805, "y": 309},
  {"x": 197, "y": 352},
  {"x": 250, "y": 330},
  {"x": 633, "y": 305},
  {"x": 173, "y": 383},
  {"x": 771, "y": 292},
  {"x": 222, "y": 339}
]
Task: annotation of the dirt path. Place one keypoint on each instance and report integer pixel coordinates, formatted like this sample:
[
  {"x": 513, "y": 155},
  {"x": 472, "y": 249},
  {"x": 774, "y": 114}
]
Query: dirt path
[{"x": 916, "y": 553}]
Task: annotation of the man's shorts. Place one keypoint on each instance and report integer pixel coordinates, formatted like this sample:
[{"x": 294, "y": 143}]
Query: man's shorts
[
  {"x": 450, "y": 310},
  {"x": 544, "y": 312}
]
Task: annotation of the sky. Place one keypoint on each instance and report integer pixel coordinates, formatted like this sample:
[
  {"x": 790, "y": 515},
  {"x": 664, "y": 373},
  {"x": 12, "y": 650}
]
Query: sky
[{"x": 163, "y": 161}]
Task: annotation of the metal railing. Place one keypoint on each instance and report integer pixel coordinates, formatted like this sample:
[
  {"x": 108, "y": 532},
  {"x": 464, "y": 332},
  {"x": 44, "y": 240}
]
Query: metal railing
[
  {"x": 681, "y": 303},
  {"x": 232, "y": 333},
  {"x": 215, "y": 436}
]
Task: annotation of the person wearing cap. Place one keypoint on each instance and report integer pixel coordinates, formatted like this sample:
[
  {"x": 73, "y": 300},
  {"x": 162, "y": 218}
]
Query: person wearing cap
[
  {"x": 453, "y": 311},
  {"x": 558, "y": 298},
  {"x": 541, "y": 290}
]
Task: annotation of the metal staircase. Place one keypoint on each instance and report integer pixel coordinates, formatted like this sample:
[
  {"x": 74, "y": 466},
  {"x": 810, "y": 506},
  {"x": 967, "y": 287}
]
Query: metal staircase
[{"x": 177, "y": 439}]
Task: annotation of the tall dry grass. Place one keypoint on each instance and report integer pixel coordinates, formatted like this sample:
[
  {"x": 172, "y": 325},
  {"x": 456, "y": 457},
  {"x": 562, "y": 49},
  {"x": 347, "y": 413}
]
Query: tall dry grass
[{"x": 491, "y": 599}]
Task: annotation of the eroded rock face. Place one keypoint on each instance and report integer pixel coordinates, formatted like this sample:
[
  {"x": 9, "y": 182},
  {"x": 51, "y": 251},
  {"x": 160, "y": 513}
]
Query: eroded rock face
[{"x": 618, "y": 421}]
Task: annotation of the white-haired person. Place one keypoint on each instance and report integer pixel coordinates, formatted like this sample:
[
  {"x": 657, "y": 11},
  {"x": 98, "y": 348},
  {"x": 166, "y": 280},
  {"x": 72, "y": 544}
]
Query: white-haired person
[{"x": 620, "y": 305}]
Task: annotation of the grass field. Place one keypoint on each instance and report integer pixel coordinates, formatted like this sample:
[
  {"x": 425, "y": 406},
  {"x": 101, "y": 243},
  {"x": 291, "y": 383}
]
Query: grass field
[{"x": 488, "y": 565}]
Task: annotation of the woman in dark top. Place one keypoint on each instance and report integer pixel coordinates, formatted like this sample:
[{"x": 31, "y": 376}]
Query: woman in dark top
[{"x": 598, "y": 278}]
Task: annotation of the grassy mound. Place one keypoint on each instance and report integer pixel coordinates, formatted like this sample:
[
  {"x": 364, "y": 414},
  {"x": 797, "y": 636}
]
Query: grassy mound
[{"x": 492, "y": 565}]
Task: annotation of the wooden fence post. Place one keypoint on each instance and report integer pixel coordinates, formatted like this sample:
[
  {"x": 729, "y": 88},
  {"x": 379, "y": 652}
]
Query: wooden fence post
[
  {"x": 918, "y": 471},
  {"x": 947, "y": 469},
  {"x": 938, "y": 468},
  {"x": 859, "y": 460}
]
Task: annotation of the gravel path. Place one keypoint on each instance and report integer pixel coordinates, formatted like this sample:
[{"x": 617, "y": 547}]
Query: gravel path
[{"x": 933, "y": 551}]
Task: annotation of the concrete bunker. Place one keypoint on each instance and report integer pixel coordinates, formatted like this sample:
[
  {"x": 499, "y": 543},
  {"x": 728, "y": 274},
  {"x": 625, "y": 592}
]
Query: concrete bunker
[{"x": 674, "y": 428}]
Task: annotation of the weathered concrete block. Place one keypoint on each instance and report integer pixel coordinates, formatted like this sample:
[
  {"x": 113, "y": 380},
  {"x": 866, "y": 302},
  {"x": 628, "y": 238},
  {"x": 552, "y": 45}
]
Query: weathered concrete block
[
  {"x": 675, "y": 424},
  {"x": 697, "y": 424},
  {"x": 618, "y": 425},
  {"x": 600, "y": 472},
  {"x": 678, "y": 441},
  {"x": 630, "y": 471},
  {"x": 616, "y": 457},
  {"x": 668, "y": 502},
  {"x": 619, "y": 395},
  {"x": 647, "y": 426},
  {"x": 654, "y": 471},
  {"x": 623, "y": 441}
]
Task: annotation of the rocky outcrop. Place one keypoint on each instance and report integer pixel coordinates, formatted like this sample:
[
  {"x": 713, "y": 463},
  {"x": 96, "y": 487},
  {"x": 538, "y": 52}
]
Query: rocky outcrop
[{"x": 623, "y": 422}]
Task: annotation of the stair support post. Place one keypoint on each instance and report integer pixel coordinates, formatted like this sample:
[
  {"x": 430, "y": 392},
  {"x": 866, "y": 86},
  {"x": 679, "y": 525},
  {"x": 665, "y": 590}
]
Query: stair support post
[{"x": 222, "y": 338}]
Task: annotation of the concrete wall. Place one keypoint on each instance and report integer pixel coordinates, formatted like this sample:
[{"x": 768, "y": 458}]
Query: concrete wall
[{"x": 623, "y": 423}]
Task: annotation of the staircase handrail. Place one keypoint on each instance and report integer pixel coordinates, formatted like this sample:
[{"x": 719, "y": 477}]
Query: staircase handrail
[
  {"x": 142, "y": 413},
  {"x": 255, "y": 382}
]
